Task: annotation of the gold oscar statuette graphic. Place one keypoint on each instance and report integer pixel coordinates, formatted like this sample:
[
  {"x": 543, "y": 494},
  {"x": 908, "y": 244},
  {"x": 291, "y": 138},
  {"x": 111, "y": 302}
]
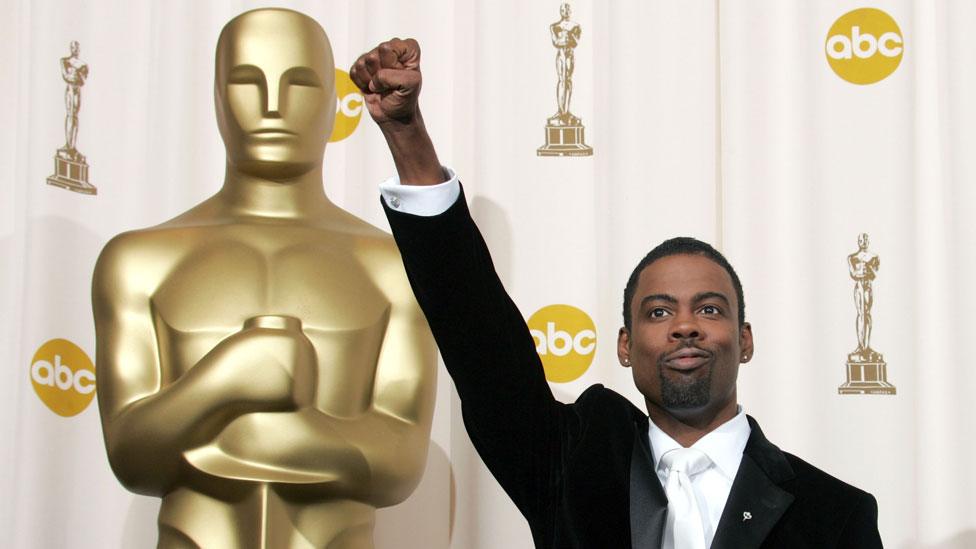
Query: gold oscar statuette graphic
[
  {"x": 70, "y": 166},
  {"x": 564, "y": 131},
  {"x": 867, "y": 372},
  {"x": 262, "y": 364}
]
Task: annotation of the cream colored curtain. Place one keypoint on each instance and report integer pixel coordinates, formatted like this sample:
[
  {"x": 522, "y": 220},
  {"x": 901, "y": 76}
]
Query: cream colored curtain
[
  {"x": 720, "y": 120},
  {"x": 810, "y": 161}
]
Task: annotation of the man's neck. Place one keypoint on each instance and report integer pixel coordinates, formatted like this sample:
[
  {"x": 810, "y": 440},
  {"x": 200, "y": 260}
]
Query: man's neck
[{"x": 687, "y": 427}]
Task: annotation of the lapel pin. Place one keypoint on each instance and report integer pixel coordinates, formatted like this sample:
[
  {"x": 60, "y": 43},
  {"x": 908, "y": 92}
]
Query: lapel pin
[{"x": 746, "y": 516}]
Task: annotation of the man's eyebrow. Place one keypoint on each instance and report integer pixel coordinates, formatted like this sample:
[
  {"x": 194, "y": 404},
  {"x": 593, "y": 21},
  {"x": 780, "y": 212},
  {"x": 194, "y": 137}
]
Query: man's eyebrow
[
  {"x": 702, "y": 296},
  {"x": 658, "y": 297}
]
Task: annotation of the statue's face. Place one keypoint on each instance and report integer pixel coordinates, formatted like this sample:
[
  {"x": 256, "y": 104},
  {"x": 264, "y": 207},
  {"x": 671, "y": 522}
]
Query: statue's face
[
  {"x": 275, "y": 93},
  {"x": 75, "y": 49},
  {"x": 862, "y": 241},
  {"x": 564, "y": 11}
]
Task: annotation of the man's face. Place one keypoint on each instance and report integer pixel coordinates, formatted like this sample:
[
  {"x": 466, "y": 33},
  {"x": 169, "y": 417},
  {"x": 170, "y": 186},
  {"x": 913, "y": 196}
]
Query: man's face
[
  {"x": 564, "y": 11},
  {"x": 75, "y": 49},
  {"x": 862, "y": 241},
  {"x": 275, "y": 92},
  {"x": 685, "y": 342}
]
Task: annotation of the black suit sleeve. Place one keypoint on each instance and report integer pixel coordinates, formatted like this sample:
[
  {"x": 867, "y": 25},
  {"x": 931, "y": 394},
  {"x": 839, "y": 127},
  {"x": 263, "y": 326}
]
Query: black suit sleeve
[
  {"x": 861, "y": 529},
  {"x": 520, "y": 431}
]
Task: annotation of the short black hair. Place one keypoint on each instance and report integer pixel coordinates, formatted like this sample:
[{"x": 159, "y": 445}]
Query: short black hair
[{"x": 682, "y": 245}]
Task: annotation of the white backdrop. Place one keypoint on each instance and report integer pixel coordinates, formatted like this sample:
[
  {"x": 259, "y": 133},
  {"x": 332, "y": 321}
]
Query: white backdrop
[{"x": 722, "y": 121}]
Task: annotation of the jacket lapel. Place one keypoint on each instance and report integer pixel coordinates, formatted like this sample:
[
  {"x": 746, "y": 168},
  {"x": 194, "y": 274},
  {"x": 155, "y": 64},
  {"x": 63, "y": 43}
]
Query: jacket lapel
[
  {"x": 648, "y": 504},
  {"x": 755, "y": 503}
]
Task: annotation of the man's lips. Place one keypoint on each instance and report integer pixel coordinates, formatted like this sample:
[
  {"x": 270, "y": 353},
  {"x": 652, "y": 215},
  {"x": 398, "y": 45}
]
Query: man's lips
[{"x": 686, "y": 359}]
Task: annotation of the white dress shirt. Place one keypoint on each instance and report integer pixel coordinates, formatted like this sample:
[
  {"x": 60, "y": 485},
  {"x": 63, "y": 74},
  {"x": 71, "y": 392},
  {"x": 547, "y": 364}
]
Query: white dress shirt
[
  {"x": 425, "y": 200},
  {"x": 724, "y": 446}
]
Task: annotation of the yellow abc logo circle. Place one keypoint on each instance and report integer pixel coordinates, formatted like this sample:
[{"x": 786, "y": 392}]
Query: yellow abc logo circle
[
  {"x": 565, "y": 339},
  {"x": 63, "y": 377},
  {"x": 349, "y": 107},
  {"x": 864, "y": 46}
]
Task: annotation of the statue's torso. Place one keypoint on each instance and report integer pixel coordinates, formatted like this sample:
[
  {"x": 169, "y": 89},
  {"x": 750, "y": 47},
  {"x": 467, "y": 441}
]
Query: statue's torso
[
  {"x": 219, "y": 277},
  {"x": 565, "y": 34},
  {"x": 863, "y": 265},
  {"x": 206, "y": 280}
]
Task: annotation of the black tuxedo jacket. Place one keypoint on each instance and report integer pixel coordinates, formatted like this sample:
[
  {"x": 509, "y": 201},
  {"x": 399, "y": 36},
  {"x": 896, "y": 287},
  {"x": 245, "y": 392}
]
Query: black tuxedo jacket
[{"x": 582, "y": 473}]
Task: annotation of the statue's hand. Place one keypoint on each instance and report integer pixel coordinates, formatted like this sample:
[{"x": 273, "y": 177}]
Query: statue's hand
[
  {"x": 273, "y": 364},
  {"x": 389, "y": 77}
]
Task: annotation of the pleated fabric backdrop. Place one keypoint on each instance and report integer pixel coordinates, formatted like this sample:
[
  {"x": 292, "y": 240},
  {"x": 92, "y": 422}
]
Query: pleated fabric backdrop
[{"x": 741, "y": 123}]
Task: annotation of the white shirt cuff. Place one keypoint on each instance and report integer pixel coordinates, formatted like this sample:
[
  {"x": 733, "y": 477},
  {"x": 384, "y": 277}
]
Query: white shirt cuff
[{"x": 423, "y": 200}]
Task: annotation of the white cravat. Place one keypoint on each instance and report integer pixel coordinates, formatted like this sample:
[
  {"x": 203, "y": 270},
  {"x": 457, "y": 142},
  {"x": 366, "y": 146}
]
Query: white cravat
[
  {"x": 684, "y": 528},
  {"x": 724, "y": 447}
]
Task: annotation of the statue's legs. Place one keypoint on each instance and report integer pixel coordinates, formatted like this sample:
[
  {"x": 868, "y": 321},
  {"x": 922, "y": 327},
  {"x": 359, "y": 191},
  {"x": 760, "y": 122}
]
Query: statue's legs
[
  {"x": 561, "y": 82},
  {"x": 256, "y": 516},
  {"x": 568, "y": 81},
  {"x": 68, "y": 117},
  {"x": 859, "y": 323},
  {"x": 73, "y": 104}
]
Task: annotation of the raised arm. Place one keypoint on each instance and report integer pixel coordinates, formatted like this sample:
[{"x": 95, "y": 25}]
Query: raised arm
[
  {"x": 519, "y": 429},
  {"x": 389, "y": 77}
]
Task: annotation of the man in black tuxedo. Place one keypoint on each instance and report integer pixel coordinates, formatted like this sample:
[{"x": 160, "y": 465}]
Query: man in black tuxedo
[{"x": 597, "y": 473}]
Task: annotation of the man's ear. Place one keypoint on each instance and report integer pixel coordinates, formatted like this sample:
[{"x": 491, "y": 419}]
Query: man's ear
[
  {"x": 623, "y": 347},
  {"x": 746, "y": 343}
]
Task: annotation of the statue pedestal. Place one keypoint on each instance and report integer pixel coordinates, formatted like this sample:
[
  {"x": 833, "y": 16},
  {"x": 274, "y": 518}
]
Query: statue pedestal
[
  {"x": 867, "y": 378},
  {"x": 565, "y": 141},
  {"x": 71, "y": 174}
]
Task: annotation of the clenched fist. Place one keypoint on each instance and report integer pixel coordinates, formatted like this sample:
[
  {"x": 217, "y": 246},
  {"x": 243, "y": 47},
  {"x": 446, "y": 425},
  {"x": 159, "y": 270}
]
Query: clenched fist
[{"x": 389, "y": 77}]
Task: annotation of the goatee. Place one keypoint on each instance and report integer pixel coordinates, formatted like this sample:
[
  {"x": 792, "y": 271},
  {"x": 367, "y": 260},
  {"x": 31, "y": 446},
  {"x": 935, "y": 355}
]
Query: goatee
[{"x": 680, "y": 396}]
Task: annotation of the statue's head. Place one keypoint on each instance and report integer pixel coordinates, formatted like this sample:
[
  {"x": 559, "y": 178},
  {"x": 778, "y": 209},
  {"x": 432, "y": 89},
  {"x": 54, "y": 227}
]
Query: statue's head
[
  {"x": 564, "y": 11},
  {"x": 862, "y": 241},
  {"x": 275, "y": 92},
  {"x": 75, "y": 48}
]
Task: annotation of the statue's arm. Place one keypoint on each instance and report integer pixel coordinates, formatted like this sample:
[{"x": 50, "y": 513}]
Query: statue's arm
[
  {"x": 148, "y": 418},
  {"x": 67, "y": 71},
  {"x": 403, "y": 397}
]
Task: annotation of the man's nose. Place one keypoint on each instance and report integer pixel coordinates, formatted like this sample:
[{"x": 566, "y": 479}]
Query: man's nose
[{"x": 685, "y": 327}]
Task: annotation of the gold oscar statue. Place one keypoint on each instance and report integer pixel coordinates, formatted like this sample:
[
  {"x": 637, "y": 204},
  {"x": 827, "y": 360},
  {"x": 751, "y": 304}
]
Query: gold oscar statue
[
  {"x": 867, "y": 372},
  {"x": 70, "y": 166},
  {"x": 564, "y": 131},
  {"x": 262, "y": 364}
]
